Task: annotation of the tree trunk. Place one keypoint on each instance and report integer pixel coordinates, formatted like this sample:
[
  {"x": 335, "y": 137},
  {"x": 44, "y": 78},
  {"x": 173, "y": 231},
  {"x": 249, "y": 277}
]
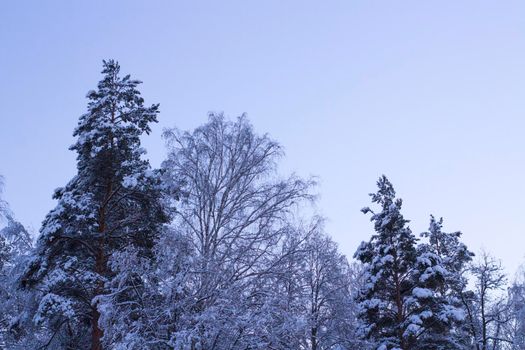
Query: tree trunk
[
  {"x": 100, "y": 268},
  {"x": 96, "y": 334},
  {"x": 100, "y": 263}
]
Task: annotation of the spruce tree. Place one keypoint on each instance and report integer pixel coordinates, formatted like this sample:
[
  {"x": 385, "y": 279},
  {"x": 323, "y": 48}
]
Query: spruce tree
[{"x": 113, "y": 202}]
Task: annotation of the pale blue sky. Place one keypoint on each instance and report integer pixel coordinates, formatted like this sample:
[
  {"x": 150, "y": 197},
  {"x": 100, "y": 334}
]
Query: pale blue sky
[{"x": 430, "y": 93}]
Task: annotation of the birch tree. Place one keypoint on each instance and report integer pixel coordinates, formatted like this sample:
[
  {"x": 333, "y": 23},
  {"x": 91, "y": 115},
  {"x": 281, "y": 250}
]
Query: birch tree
[{"x": 235, "y": 208}]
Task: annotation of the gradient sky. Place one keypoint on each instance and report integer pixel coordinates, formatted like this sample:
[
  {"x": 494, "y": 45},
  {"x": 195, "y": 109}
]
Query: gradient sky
[{"x": 431, "y": 93}]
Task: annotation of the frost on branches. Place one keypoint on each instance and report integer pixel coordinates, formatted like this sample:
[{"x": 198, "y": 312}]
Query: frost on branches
[{"x": 235, "y": 212}]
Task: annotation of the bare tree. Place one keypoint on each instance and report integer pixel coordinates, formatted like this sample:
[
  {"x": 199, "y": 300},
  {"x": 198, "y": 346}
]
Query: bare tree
[
  {"x": 487, "y": 307},
  {"x": 237, "y": 210},
  {"x": 328, "y": 285},
  {"x": 514, "y": 329}
]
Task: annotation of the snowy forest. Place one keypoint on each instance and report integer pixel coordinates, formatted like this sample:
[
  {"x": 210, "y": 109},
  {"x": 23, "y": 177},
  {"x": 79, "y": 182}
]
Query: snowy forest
[{"x": 217, "y": 250}]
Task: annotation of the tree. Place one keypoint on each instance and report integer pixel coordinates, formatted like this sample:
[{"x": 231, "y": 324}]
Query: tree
[
  {"x": 450, "y": 328},
  {"x": 15, "y": 246},
  {"x": 398, "y": 304},
  {"x": 514, "y": 330},
  {"x": 113, "y": 203},
  {"x": 310, "y": 294},
  {"x": 329, "y": 295},
  {"x": 353, "y": 331},
  {"x": 487, "y": 308},
  {"x": 236, "y": 212}
]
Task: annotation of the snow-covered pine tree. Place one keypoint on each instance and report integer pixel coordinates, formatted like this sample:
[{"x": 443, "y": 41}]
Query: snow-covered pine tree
[
  {"x": 397, "y": 301},
  {"x": 449, "y": 327},
  {"x": 112, "y": 203}
]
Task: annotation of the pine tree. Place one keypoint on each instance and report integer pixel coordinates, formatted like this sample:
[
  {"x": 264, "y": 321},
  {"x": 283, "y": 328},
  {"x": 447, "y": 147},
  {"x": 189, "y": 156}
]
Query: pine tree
[
  {"x": 112, "y": 203},
  {"x": 450, "y": 326},
  {"x": 398, "y": 302}
]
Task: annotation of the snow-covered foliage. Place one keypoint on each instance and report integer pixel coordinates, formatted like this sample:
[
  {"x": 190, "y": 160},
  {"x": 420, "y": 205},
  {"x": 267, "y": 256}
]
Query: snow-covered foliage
[{"x": 214, "y": 251}]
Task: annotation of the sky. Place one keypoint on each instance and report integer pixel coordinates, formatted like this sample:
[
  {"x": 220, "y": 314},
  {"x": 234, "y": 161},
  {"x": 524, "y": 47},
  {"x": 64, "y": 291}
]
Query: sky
[{"x": 430, "y": 93}]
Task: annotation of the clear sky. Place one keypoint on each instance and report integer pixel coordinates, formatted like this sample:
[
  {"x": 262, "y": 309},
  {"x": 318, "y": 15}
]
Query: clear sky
[{"x": 431, "y": 93}]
